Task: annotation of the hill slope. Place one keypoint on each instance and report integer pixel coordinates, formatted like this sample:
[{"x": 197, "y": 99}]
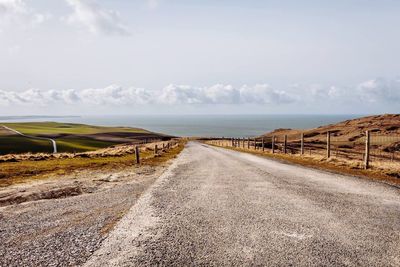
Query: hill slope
[
  {"x": 69, "y": 137},
  {"x": 350, "y": 130}
]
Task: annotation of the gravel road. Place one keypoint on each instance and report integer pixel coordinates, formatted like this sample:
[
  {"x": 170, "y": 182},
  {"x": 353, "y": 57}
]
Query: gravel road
[{"x": 217, "y": 207}]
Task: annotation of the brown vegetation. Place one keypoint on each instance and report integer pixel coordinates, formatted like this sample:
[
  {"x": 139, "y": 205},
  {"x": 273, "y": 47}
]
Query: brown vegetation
[
  {"x": 347, "y": 146},
  {"x": 350, "y": 130},
  {"x": 25, "y": 167}
]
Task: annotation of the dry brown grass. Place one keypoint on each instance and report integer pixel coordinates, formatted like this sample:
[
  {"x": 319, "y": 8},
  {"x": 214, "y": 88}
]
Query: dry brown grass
[
  {"x": 27, "y": 170},
  {"x": 385, "y": 125},
  {"x": 381, "y": 171}
]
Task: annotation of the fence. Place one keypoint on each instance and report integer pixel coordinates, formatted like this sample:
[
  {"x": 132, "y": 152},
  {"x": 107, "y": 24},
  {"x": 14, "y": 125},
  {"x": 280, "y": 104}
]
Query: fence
[
  {"x": 157, "y": 148},
  {"x": 364, "y": 149}
]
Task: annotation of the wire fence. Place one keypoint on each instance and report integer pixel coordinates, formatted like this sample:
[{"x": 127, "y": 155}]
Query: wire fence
[
  {"x": 385, "y": 148},
  {"x": 366, "y": 149}
]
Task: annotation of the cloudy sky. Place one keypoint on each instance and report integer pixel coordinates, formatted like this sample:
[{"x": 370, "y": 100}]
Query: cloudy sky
[{"x": 61, "y": 57}]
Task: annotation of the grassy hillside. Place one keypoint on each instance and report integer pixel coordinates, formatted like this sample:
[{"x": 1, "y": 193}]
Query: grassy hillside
[
  {"x": 350, "y": 130},
  {"x": 69, "y": 137},
  {"x": 51, "y": 129},
  {"x": 17, "y": 144}
]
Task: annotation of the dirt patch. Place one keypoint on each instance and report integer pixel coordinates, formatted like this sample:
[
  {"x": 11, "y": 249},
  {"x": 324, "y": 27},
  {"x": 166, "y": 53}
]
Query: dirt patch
[
  {"x": 20, "y": 197},
  {"x": 62, "y": 220},
  {"x": 29, "y": 180},
  {"x": 67, "y": 218}
]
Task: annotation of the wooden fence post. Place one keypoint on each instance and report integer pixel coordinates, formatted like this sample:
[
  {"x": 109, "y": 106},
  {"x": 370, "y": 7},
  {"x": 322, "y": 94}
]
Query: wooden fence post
[
  {"x": 155, "y": 149},
  {"x": 273, "y": 144},
  {"x": 328, "y": 144},
  {"x": 255, "y": 144},
  {"x": 367, "y": 146},
  {"x": 302, "y": 144},
  {"x": 137, "y": 154},
  {"x": 285, "y": 145},
  {"x": 248, "y": 143},
  {"x": 263, "y": 146}
]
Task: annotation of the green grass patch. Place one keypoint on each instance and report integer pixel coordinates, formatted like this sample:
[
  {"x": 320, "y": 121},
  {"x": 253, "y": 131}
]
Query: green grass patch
[
  {"x": 18, "y": 144},
  {"x": 55, "y": 128},
  {"x": 81, "y": 144},
  {"x": 70, "y": 137}
]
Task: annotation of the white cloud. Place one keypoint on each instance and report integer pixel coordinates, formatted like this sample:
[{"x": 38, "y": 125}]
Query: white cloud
[
  {"x": 95, "y": 19},
  {"x": 379, "y": 89},
  {"x": 18, "y": 13},
  {"x": 376, "y": 91},
  {"x": 114, "y": 95},
  {"x": 264, "y": 94},
  {"x": 179, "y": 94},
  {"x": 169, "y": 95},
  {"x": 319, "y": 92},
  {"x": 221, "y": 94}
]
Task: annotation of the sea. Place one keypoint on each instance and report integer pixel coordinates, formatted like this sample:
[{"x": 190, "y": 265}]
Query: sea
[{"x": 197, "y": 125}]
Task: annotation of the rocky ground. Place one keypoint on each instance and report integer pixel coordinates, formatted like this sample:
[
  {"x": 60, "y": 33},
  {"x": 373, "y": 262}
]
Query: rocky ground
[{"x": 62, "y": 220}]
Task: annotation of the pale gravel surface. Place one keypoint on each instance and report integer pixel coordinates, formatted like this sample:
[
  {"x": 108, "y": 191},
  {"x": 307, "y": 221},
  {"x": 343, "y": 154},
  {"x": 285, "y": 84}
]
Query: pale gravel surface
[
  {"x": 217, "y": 207},
  {"x": 66, "y": 231}
]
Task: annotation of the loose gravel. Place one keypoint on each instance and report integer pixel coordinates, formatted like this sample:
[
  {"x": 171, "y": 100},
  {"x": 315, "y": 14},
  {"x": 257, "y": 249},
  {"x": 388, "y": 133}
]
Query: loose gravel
[
  {"x": 217, "y": 207},
  {"x": 64, "y": 229}
]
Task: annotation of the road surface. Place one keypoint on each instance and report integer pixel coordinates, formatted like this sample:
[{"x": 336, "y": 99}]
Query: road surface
[
  {"x": 217, "y": 207},
  {"x": 53, "y": 142}
]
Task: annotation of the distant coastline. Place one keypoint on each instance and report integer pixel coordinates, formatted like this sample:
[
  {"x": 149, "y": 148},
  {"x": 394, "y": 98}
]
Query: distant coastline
[
  {"x": 198, "y": 125},
  {"x": 35, "y": 117}
]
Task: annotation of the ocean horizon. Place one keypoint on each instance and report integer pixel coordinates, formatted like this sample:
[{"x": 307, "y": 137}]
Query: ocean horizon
[{"x": 197, "y": 125}]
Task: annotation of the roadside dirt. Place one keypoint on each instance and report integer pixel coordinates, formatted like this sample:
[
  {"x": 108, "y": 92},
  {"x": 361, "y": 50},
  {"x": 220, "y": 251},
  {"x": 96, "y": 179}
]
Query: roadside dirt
[
  {"x": 62, "y": 220},
  {"x": 117, "y": 150}
]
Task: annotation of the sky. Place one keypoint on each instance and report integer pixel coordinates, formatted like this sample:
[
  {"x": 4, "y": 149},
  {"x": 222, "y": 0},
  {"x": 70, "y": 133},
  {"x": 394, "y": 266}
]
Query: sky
[{"x": 93, "y": 57}]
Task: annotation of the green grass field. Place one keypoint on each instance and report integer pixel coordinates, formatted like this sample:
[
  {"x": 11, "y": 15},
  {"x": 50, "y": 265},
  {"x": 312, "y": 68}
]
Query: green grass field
[
  {"x": 54, "y": 128},
  {"x": 18, "y": 144},
  {"x": 69, "y": 137}
]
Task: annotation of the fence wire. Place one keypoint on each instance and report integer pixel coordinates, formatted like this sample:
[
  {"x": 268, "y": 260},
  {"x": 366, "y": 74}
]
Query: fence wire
[{"x": 383, "y": 149}]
